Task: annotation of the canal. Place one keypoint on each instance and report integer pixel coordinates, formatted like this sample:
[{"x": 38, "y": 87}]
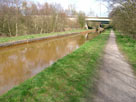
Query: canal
[{"x": 20, "y": 62}]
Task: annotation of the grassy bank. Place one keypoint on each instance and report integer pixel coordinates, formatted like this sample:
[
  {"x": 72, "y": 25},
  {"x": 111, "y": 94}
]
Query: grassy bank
[
  {"x": 10, "y": 39},
  {"x": 64, "y": 81},
  {"x": 128, "y": 47}
]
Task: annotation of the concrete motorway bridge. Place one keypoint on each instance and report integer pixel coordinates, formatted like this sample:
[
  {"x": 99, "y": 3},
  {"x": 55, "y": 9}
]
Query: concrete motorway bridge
[{"x": 94, "y": 21}]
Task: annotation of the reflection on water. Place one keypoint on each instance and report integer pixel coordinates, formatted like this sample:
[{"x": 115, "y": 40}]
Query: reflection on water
[{"x": 18, "y": 63}]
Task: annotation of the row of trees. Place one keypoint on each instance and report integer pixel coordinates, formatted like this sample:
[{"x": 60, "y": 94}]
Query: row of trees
[
  {"x": 124, "y": 16},
  {"x": 19, "y": 17}
]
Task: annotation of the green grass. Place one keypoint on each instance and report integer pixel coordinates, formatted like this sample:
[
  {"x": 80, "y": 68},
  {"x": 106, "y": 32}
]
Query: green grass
[
  {"x": 128, "y": 46},
  {"x": 64, "y": 81},
  {"x": 11, "y": 39}
]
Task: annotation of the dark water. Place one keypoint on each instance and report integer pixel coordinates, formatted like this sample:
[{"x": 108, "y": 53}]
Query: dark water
[{"x": 18, "y": 63}]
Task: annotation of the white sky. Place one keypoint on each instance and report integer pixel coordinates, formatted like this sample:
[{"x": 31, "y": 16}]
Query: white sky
[{"x": 82, "y": 5}]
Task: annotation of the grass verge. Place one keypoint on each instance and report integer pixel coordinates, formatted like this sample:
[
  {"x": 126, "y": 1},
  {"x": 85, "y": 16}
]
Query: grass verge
[
  {"x": 128, "y": 47},
  {"x": 25, "y": 37},
  {"x": 65, "y": 80}
]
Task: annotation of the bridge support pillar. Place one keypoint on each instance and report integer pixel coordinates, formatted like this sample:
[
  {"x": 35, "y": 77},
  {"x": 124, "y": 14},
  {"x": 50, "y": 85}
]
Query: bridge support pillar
[{"x": 86, "y": 25}]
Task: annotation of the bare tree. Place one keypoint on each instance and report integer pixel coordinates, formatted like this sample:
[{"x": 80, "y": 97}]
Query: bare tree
[
  {"x": 21, "y": 17},
  {"x": 124, "y": 17},
  {"x": 81, "y": 19}
]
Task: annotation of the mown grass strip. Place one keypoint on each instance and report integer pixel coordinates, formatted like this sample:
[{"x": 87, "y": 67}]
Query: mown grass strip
[
  {"x": 65, "y": 80},
  {"x": 128, "y": 47},
  {"x": 25, "y": 37}
]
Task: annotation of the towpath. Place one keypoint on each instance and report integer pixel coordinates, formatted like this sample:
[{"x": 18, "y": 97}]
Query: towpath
[{"x": 117, "y": 82}]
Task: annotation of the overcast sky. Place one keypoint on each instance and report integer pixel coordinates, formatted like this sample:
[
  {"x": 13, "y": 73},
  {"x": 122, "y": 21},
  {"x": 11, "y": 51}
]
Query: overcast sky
[{"x": 82, "y": 5}]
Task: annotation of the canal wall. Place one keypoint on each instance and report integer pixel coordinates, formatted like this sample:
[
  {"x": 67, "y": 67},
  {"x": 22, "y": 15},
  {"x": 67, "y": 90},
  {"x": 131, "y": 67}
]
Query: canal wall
[{"x": 7, "y": 44}]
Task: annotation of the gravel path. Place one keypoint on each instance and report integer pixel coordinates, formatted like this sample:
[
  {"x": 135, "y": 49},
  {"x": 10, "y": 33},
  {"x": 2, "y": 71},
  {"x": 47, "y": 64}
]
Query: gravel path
[{"x": 117, "y": 82}]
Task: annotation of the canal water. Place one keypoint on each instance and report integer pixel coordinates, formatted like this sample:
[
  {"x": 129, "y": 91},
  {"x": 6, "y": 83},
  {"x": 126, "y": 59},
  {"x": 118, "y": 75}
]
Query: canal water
[{"x": 20, "y": 62}]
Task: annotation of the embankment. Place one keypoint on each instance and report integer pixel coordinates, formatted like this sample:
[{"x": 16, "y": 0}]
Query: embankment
[{"x": 128, "y": 47}]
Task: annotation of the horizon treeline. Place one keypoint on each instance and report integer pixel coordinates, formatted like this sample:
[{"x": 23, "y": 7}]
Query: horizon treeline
[
  {"x": 21, "y": 17},
  {"x": 123, "y": 16}
]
